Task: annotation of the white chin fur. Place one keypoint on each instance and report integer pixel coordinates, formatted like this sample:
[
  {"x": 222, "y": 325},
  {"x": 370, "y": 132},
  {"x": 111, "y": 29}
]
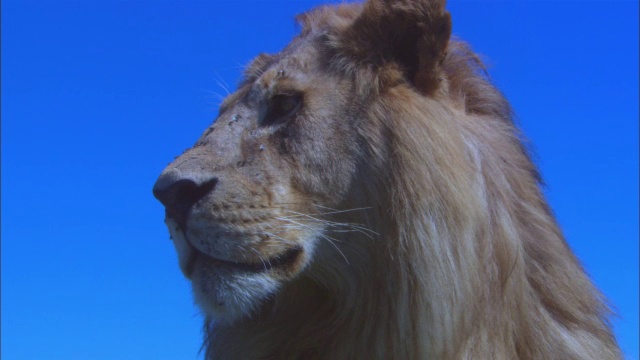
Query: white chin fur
[
  {"x": 223, "y": 294},
  {"x": 227, "y": 295},
  {"x": 180, "y": 242}
]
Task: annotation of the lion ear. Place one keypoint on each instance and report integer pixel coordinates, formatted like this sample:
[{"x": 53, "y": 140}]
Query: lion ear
[{"x": 411, "y": 33}]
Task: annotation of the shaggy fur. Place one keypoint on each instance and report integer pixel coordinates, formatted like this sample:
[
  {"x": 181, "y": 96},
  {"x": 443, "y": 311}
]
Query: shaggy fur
[{"x": 394, "y": 182}]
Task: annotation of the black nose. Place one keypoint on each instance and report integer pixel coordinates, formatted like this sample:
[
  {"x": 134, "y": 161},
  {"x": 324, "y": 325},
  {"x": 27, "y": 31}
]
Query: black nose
[{"x": 178, "y": 192}]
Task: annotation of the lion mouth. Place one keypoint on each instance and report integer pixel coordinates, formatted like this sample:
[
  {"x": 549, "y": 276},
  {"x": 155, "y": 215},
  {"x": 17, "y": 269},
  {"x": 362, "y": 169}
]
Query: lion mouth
[
  {"x": 191, "y": 256},
  {"x": 283, "y": 260}
]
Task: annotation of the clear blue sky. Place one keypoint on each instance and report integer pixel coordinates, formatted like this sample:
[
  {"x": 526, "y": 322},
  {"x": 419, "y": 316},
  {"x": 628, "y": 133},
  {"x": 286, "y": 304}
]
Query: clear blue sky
[{"x": 98, "y": 96}]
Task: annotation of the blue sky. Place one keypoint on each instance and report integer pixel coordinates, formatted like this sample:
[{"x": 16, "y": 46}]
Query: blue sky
[{"x": 98, "y": 96}]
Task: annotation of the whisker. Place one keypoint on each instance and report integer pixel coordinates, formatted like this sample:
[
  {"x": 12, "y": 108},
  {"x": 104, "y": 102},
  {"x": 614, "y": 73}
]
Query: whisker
[
  {"x": 330, "y": 239},
  {"x": 262, "y": 259},
  {"x": 216, "y": 95},
  {"x": 222, "y": 83},
  {"x": 289, "y": 242},
  {"x": 356, "y": 227},
  {"x": 336, "y": 211}
]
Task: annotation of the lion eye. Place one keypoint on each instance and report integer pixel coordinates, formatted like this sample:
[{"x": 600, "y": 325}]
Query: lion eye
[{"x": 282, "y": 107}]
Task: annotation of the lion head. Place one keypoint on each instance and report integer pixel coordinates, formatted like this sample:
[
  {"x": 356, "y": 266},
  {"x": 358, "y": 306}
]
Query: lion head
[{"x": 365, "y": 194}]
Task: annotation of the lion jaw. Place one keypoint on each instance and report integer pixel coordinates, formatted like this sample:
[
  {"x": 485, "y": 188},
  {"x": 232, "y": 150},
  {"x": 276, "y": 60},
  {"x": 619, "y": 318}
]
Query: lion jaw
[{"x": 222, "y": 292}]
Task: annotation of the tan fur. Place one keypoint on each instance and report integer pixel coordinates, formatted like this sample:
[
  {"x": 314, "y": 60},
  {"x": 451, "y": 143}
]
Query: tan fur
[{"x": 402, "y": 178}]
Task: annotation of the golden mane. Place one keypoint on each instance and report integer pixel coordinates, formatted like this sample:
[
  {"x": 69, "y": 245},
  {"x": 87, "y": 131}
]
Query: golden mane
[{"x": 457, "y": 255}]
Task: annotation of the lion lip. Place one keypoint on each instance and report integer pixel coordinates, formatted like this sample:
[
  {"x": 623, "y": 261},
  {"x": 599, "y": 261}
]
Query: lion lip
[{"x": 284, "y": 259}]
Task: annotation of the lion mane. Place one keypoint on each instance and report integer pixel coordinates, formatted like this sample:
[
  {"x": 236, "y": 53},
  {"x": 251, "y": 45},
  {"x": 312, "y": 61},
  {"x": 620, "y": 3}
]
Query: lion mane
[{"x": 409, "y": 219}]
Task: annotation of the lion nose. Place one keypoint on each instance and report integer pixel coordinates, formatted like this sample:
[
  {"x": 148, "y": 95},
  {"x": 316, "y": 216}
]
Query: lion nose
[{"x": 178, "y": 192}]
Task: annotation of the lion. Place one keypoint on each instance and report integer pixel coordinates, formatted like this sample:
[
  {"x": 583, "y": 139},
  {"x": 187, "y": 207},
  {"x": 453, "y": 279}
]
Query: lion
[{"x": 365, "y": 194}]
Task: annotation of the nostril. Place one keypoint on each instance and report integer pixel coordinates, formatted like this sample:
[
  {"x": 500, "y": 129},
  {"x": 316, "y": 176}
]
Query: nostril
[{"x": 180, "y": 195}]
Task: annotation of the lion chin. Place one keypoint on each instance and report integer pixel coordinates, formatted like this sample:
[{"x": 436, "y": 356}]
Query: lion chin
[{"x": 225, "y": 290}]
